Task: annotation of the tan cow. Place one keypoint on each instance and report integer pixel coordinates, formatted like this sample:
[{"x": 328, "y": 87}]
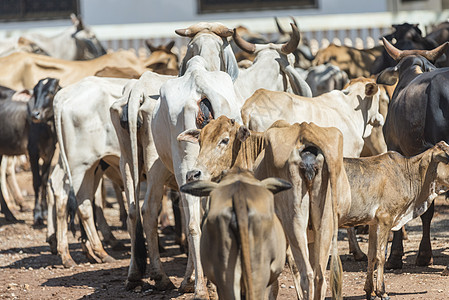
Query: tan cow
[
  {"x": 161, "y": 60},
  {"x": 353, "y": 111},
  {"x": 389, "y": 190},
  {"x": 376, "y": 183},
  {"x": 23, "y": 70},
  {"x": 353, "y": 61},
  {"x": 311, "y": 158},
  {"x": 246, "y": 235}
]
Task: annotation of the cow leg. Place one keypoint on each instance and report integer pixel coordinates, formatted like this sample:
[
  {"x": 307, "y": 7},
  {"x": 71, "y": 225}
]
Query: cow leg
[
  {"x": 273, "y": 290},
  {"x": 86, "y": 182},
  {"x": 4, "y": 207},
  {"x": 51, "y": 220},
  {"x": 354, "y": 247},
  {"x": 319, "y": 250},
  {"x": 180, "y": 238},
  {"x": 382, "y": 240},
  {"x": 294, "y": 271},
  {"x": 10, "y": 174},
  {"x": 47, "y": 157},
  {"x": 34, "y": 154},
  {"x": 157, "y": 176},
  {"x": 397, "y": 251},
  {"x": 121, "y": 203},
  {"x": 372, "y": 260},
  {"x": 425, "y": 257},
  {"x": 57, "y": 189},
  {"x": 4, "y": 186},
  {"x": 191, "y": 207},
  {"x": 103, "y": 226}
]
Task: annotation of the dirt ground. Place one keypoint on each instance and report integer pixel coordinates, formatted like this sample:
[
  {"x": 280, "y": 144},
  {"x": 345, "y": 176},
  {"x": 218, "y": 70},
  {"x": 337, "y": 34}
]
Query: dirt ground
[{"x": 29, "y": 271}]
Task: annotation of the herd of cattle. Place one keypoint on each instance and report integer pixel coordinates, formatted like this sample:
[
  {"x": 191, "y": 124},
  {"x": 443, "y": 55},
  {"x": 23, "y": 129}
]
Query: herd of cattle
[{"x": 239, "y": 119}]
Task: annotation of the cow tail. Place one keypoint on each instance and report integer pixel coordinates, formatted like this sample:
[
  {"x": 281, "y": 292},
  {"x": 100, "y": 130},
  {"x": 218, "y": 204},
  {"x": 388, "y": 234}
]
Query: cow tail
[
  {"x": 140, "y": 252},
  {"x": 336, "y": 269},
  {"x": 241, "y": 211},
  {"x": 72, "y": 204}
]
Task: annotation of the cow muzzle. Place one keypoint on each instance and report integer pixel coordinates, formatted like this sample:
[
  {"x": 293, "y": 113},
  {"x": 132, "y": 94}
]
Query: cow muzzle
[{"x": 193, "y": 175}]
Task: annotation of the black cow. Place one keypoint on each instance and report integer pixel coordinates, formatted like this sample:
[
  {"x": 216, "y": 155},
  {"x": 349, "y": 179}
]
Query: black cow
[
  {"x": 408, "y": 37},
  {"x": 41, "y": 140},
  {"x": 20, "y": 136},
  {"x": 13, "y": 133},
  {"x": 417, "y": 119}
]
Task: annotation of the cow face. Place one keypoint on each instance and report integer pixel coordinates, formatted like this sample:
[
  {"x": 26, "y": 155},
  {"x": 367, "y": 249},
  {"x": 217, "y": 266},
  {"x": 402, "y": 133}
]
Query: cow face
[
  {"x": 203, "y": 188},
  {"x": 219, "y": 143},
  {"x": 88, "y": 46},
  {"x": 209, "y": 40},
  {"x": 412, "y": 65},
  {"x": 40, "y": 106}
]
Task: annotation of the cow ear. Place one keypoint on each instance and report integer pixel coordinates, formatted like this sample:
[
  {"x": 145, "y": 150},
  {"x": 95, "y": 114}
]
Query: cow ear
[
  {"x": 170, "y": 45},
  {"x": 243, "y": 133},
  {"x": 276, "y": 185},
  {"x": 389, "y": 76},
  {"x": 199, "y": 188},
  {"x": 151, "y": 47},
  {"x": 190, "y": 135},
  {"x": 371, "y": 89}
]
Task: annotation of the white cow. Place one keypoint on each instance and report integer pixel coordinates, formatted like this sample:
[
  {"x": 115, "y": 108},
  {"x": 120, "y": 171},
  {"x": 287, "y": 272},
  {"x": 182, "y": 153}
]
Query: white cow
[
  {"x": 272, "y": 68},
  {"x": 89, "y": 146},
  {"x": 133, "y": 129},
  {"x": 74, "y": 43},
  {"x": 209, "y": 40}
]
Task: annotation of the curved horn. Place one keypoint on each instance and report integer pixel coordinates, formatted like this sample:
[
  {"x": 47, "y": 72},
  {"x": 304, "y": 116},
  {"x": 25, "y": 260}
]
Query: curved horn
[
  {"x": 294, "y": 21},
  {"x": 434, "y": 54},
  {"x": 221, "y": 30},
  {"x": 185, "y": 32},
  {"x": 292, "y": 44},
  {"x": 244, "y": 45},
  {"x": 394, "y": 52},
  {"x": 281, "y": 31}
]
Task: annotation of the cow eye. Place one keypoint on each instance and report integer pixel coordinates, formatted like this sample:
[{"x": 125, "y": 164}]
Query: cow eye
[{"x": 224, "y": 141}]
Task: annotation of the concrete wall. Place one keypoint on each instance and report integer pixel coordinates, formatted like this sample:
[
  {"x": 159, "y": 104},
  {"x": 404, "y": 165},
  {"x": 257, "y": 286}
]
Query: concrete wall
[{"x": 98, "y": 12}]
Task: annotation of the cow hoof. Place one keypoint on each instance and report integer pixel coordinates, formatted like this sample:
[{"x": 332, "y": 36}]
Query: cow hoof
[
  {"x": 445, "y": 272},
  {"x": 69, "y": 263},
  {"x": 394, "y": 263},
  {"x": 108, "y": 259},
  {"x": 164, "y": 285},
  {"x": 87, "y": 250},
  {"x": 370, "y": 296},
  {"x": 131, "y": 285},
  {"x": 38, "y": 222},
  {"x": 53, "y": 244},
  {"x": 187, "y": 286},
  {"x": 117, "y": 245},
  {"x": 424, "y": 259},
  {"x": 201, "y": 296},
  {"x": 360, "y": 256}
]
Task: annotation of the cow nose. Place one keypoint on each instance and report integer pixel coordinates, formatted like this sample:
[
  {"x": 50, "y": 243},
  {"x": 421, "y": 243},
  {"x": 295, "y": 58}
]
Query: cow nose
[
  {"x": 193, "y": 175},
  {"x": 36, "y": 114}
]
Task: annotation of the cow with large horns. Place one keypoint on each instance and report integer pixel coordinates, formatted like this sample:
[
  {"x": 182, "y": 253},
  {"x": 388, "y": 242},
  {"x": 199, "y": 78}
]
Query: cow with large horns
[
  {"x": 416, "y": 121},
  {"x": 272, "y": 66}
]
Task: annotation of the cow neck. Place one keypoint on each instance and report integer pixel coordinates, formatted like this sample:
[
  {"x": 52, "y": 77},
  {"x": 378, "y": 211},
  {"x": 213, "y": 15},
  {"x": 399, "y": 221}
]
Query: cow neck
[
  {"x": 421, "y": 168},
  {"x": 245, "y": 153}
]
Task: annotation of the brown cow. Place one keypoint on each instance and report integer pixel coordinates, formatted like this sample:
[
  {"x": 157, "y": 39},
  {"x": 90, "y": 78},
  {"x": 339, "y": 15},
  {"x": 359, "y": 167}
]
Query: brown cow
[
  {"x": 353, "y": 61},
  {"x": 247, "y": 237},
  {"x": 376, "y": 183},
  {"x": 311, "y": 158}
]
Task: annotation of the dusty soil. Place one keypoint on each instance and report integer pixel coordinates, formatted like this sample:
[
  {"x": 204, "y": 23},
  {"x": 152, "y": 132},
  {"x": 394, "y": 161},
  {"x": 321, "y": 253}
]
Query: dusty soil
[{"x": 29, "y": 271}]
